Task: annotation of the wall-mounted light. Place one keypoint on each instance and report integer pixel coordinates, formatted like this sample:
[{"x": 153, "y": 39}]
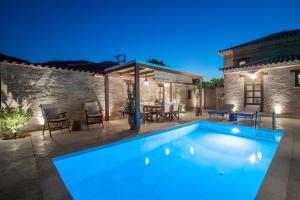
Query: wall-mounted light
[
  {"x": 252, "y": 76},
  {"x": 167, "y": 84},
  {"x": 146, "y": 82}
]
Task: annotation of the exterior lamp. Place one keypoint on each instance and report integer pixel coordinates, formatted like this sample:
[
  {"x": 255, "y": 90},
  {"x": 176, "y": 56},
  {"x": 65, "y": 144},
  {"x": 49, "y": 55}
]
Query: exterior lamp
[
  {"x": 167, "y": 84},
  {"x": 252, "y": 76},
  {"x": 146, "y": 81}
]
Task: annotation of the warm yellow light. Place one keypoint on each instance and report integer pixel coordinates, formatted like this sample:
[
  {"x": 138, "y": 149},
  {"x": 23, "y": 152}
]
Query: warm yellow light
[
  {"x": 146, "y": 82},
  {"x": 252, "y": 76},
  {"x": 278, "y": 109},
  {"x": 41, "y": 120},
  {"x": 234, "y": 109}
]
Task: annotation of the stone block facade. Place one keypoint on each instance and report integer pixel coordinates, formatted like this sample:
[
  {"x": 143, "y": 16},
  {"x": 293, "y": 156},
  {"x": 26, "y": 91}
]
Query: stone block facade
[
  {"x": 279, "y": 92},
  {"x": 30, "y": 86},
  {"x": 270, "y": 62},
  {"x": 234, "y": 90}
]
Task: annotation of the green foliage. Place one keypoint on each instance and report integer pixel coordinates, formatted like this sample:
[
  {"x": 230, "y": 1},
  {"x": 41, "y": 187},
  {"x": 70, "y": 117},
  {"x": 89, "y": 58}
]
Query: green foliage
[
  {"x": 12, "y": 119},
  {"x": 130, "y": 106},
  {"x": 213, "y": 83},
  {"x": 155, "y": 61}
]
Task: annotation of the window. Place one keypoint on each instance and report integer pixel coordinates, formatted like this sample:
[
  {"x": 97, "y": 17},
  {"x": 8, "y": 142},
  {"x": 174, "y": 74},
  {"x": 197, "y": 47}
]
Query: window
[
  {"x": 189, "y": 94},
  {"x": 253, "y": 91},
  {"x": 297, "y": 78},
  {"x": 242, "y": 62},
  {"x": 161, "y": 93}
]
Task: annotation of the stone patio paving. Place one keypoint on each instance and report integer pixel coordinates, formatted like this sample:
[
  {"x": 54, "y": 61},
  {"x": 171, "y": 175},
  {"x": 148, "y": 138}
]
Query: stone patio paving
[{"x": 27, "y": 171}]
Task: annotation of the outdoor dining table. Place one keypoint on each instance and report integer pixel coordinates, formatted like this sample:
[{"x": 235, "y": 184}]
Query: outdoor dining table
[{"x": 153, "y": 110}]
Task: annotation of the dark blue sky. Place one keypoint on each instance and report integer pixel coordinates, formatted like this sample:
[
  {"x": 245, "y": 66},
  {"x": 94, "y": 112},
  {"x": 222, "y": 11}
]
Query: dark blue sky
[{"x": 185, "y": 34}]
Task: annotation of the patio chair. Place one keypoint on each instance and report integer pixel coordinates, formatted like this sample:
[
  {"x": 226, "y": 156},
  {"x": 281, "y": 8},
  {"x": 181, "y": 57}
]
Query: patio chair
[
  {"x": 176, "y": 110},
  {"x": 249, "y": 112},
  {"x": 93, "y": 114},
  {"x": 145, "y": 114},
  {"x": 168, "y": 109},
  {"x": 54, "y": 118},
  {"x": 225, "y": 109}
]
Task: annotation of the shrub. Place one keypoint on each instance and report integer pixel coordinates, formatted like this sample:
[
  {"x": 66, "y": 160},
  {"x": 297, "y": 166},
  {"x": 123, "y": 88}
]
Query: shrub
[
  {"x": 130, "y": 106},
  {"x": 12, "y": 119}
]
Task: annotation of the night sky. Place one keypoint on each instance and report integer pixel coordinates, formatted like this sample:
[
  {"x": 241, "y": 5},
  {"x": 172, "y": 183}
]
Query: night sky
[{"x": 184, "y": 34}]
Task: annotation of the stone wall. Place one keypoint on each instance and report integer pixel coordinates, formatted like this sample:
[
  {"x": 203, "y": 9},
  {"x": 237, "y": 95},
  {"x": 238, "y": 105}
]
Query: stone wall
[
  {"x": 234, "y": 90},
  {"x": 180, "y": 94},
  {"x": 30, "y": 86},
  {"x": 219, "y": 97},
  {"x": 280, "y": 94}
]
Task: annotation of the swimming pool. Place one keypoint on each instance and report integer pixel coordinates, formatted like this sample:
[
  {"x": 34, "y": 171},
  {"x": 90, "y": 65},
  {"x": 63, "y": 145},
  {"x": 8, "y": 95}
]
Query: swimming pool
[{"x": 201, "y": 160}]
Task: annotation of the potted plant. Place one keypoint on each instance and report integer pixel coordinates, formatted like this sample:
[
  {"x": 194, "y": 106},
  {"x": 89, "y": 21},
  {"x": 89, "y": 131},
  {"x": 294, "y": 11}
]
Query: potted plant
[
  {"x": 130, "y": 110},
  {"x": 12, "y": 119},
  {"x": 197, "y": 87}
]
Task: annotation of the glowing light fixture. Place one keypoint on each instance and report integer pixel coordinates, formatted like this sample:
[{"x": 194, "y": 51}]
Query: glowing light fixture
[
  {"x": 252, "y": 158},
  {"x": 167, "y": 84},
  {"x": 252, "y": 76},
  {"x": 192, "y": 151},
  {"x": 146, "y": 82},
  {"x": 167, "y": 151},
  {"x": 235, "y": 130},
  {"x": 147, "y": 161}
]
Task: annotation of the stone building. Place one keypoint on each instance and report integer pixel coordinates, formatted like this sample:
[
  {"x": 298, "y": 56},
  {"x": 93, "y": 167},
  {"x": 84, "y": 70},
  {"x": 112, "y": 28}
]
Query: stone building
[
  {"x": 69, "y": 84},
  {"x": 265, "y": 72}
]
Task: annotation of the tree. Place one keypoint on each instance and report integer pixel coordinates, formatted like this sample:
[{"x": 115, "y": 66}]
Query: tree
[
  {"x": 155, "y": 61},
  {"x": 213, "y": 83}
]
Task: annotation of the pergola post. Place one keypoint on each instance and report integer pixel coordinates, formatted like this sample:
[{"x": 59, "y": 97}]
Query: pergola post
[
  {"x": 137, "y": 96},
  {"x": 106, "y": 91},
  {"x": 171, "y": 92}
]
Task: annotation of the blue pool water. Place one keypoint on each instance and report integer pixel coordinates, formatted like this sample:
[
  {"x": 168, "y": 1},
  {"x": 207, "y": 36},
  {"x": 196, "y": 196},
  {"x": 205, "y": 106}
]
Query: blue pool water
[{"x": 202, "y": 160}]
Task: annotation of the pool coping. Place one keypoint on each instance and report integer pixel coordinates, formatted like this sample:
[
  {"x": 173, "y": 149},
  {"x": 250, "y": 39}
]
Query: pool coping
[{"x": 271, "y": 177}]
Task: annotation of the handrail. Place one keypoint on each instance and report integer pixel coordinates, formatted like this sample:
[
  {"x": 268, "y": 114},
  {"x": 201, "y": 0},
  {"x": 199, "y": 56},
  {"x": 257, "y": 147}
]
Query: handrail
[
  {"x": 273, "y": 121},
  {"x": 255, "y": 120}
]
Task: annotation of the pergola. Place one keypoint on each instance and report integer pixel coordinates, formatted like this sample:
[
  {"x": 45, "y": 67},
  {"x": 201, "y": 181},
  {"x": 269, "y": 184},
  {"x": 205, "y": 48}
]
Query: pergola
[{"x": 137, "y": 69}]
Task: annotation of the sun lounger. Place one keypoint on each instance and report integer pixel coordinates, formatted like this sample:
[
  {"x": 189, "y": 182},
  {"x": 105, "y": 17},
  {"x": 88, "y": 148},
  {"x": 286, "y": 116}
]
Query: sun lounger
[
  {"x": 225, "y": 109},
  {"x": 249, "y": 112}
]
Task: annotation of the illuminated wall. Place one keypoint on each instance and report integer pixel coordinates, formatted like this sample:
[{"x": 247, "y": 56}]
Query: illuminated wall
[
  {"x": 31, "y": 86},
  {"x": 280, "y": 94}
]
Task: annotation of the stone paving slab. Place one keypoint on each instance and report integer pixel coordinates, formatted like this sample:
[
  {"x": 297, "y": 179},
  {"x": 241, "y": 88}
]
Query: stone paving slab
[
  {"x": 30, "y": 173},
  {"x": 18, "y": 172}
]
